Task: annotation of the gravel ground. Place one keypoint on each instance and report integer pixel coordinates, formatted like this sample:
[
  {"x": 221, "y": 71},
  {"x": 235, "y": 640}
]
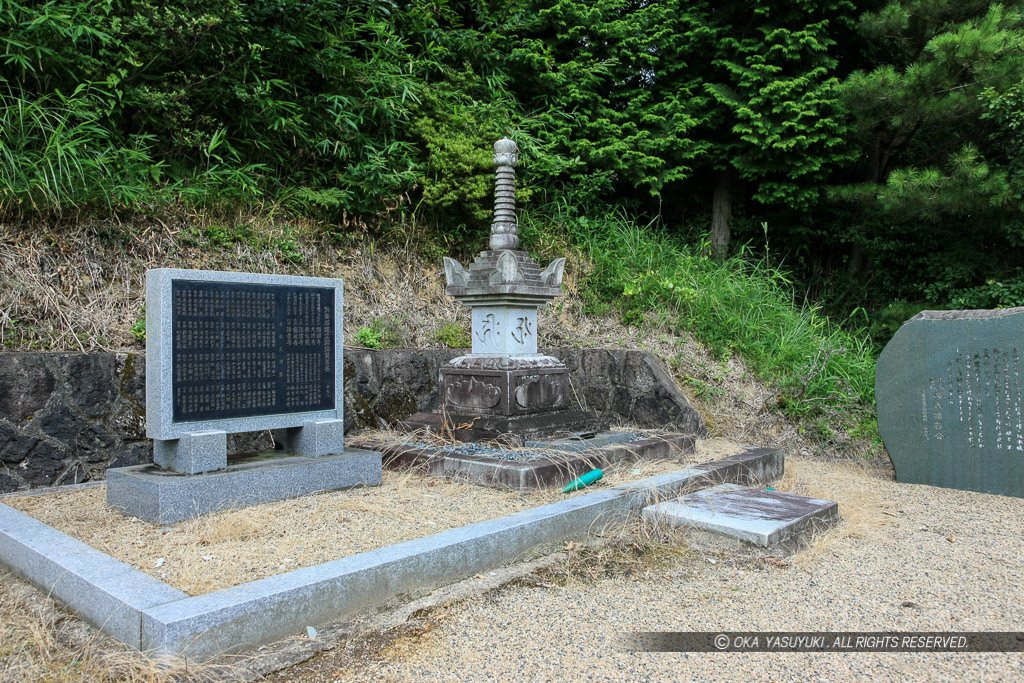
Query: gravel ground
[{"x": 907, "y": 558}]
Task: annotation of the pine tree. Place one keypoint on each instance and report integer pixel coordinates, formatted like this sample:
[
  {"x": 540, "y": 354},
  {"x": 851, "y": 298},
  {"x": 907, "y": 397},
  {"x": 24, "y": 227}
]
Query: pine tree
[{"x": 920, "y": 118}]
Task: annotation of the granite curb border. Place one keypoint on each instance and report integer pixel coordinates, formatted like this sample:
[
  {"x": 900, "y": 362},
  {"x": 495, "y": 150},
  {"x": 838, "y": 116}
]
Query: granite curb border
[
  {"x": 156, "y": 618},
  {"x": 106, "y": 592}
]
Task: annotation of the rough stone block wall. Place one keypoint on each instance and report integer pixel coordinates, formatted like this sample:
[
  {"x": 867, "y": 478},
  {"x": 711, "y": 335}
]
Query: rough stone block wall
[{"x": 66, "y": 417}]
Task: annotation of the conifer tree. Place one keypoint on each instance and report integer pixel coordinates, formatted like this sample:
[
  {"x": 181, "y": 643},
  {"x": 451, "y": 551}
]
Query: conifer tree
[
  {"x": 930, "y": 165},
  {"x": 774, "y": 120}
]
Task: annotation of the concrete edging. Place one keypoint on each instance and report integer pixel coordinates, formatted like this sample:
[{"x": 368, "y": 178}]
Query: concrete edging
[
  {"x": 152, "y": 616},
  {"x": 105, "y": 592}
]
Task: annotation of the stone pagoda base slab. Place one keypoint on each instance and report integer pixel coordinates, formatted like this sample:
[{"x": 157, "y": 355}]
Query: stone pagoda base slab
[
  {"x": 162, "y": 497},
  {"x": 763, "y": 518},
  {"x": 569, "y": 459},
  {"x": 509, "y": 429}
]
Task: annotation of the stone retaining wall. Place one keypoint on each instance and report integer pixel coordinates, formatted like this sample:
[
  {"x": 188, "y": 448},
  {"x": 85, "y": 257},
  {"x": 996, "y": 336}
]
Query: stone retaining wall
[{"x": 66, "y": 417}]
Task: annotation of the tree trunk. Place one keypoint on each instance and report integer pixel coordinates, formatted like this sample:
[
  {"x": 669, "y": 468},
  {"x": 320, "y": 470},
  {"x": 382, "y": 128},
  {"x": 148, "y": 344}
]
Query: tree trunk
[
  {"x": 721, "y": 213},
  {"x": 856, "y": 262}
]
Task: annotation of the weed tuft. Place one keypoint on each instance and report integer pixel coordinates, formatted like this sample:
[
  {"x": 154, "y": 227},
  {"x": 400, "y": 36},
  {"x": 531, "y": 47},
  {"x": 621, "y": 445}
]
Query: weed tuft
[{"x": 453, "y": 335}]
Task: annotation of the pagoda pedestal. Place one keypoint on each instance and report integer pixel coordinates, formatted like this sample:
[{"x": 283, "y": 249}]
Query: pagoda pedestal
[{"x": 510, "y": 398}]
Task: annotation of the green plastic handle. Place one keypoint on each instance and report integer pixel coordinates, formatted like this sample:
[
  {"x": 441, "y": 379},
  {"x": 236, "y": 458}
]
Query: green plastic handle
[{"x": 586, "y": 480}]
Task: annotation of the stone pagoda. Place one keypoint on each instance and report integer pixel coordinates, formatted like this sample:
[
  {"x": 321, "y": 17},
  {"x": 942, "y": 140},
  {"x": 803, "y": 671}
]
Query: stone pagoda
[{"x": 504, "y": 388}]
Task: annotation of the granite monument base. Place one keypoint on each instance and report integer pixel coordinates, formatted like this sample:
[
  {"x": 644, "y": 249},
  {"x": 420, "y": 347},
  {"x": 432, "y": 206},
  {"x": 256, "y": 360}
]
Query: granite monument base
[
  {"x": 162, "y": 497},
  {"x": 509, "y": 429},
  {"x": 504, "y": 385},
  {"x": 562, "y": 460},
  {"x": 193, "y": 452}
]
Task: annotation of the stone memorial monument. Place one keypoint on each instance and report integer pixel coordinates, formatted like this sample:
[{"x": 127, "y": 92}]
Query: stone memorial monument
[
  {"x": 238, "y": 352},
  {"x": 505, "y": 387},
  {"x": 948, "y": 390}
]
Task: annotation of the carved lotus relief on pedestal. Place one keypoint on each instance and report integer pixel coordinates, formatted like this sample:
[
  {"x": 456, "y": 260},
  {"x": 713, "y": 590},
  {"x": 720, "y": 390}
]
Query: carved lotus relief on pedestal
[{"x": 471, "y": 393}]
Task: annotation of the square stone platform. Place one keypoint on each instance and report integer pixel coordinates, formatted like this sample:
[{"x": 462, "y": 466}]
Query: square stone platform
[
  {"x": 764, "y": 518},
  {"x": 149, "y": 615},
  {"x": 162, "y": 497},
  {"x": 510, "y": 429},
  {"x": 562, "y": 461}
]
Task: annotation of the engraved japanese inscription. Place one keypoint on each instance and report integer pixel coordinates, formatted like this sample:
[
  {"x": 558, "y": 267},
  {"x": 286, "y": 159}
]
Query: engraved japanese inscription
[
  {"x": 490, "y": 327},
  {"x": 950, "y": 403},
  {"x": 523, "y": 330},
  {"x": 980, "y": 390},
  {"x": 245, "y": 350}
]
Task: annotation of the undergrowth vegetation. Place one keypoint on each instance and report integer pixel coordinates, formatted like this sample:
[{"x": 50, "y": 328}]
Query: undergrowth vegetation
[{"x": 743, "y": 305}]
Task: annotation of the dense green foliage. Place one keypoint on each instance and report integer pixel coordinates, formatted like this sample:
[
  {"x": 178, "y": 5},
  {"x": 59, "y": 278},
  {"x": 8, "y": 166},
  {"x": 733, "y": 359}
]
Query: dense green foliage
[
  {"x": 865, "y": 134},
  {"x": 936, "y": 209}
]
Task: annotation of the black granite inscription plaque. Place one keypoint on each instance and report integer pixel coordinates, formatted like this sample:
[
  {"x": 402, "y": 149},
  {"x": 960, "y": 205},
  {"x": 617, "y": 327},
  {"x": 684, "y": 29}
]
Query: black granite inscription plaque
[{"x": 245, "y": 350}]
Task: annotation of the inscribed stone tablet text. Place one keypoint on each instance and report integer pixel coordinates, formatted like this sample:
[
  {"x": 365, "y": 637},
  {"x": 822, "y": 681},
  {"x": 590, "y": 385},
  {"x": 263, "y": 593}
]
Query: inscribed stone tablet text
[
  {"x": 243, "y": 350},
  {"x": 948, "y": 388}
]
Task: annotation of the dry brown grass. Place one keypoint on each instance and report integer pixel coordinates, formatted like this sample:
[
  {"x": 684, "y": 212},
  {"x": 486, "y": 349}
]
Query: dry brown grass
[
  {"x": 81, "y": 288},
  {"x": 40, "y": 647},
  {"x": 40, "y": 641},
  {"x": 862, "y": 508}
]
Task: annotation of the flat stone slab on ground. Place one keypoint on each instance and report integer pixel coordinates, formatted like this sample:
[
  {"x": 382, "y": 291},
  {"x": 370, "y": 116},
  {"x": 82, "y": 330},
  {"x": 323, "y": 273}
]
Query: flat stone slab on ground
[{"x": 757, "y": 516}]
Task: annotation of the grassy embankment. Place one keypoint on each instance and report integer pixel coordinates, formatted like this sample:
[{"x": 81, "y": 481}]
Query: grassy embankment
[
  {"x": 823, "y": 374},
  {"x": 80, "y": 288}
]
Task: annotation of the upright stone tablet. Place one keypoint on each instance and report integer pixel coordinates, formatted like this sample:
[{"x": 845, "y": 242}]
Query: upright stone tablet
[
  {"x": 240, "y": 352},
  {"x": 948, "y": 391}
]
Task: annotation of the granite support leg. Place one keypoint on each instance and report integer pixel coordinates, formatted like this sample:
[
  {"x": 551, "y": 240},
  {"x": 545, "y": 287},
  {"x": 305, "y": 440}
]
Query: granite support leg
[
  {"x": 315, "y": 438},
  {"x": 193, "y": 453}
]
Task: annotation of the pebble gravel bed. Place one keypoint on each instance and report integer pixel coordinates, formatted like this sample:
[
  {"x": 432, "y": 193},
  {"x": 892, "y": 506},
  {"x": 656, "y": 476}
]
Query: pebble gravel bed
[
  {"x": 908, "y": 558},
  {"x": 503, "y": 453}
]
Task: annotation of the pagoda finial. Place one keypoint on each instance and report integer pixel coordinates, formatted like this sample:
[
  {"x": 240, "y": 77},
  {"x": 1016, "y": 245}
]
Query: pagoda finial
[{"x": 504, "y": 230}]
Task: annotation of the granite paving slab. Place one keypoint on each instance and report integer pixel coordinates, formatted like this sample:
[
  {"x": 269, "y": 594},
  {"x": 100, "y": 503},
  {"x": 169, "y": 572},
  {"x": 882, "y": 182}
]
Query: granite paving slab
[{"x": 758, "y": 516}]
